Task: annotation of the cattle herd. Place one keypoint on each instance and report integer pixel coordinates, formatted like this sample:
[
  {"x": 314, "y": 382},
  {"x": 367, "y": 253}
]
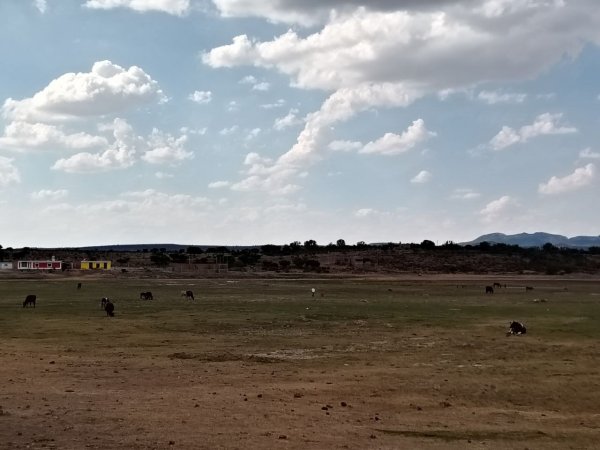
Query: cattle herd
[
  {"x": 105, "y": 303},
  {"x": 514, "y": 327}
]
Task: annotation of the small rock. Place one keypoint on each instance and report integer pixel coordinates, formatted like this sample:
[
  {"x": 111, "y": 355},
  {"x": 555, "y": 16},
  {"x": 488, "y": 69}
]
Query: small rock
[
  {"x": 282, "y": 436},
  {"x": 343, "y": 404},
  {"x": 171, "y": 442}
]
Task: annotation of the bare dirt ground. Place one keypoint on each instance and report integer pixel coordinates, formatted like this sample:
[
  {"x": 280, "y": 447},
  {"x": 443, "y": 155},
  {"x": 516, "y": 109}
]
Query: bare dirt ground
[{"x": 376, "y": 372}]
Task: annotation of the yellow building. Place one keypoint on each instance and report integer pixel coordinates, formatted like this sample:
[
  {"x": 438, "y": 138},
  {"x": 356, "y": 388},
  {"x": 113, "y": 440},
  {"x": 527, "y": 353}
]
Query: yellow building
[{"x": 96, "y": 265}]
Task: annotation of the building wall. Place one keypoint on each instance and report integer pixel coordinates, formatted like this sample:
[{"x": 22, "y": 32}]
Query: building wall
[
  {"x": 96, "y": 265},
  {"x": 39, "y": 265}
]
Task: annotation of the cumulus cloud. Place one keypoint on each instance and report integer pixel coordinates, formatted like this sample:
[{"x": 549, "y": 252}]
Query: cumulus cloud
[
  {"x": 201, "y": 97},
  {"x": 365, "y": 212},
  {"x": 164, "y": 148},
  {"x": 353, "y": 56},
  {"x": 120, "y": 154},
  {"x": 46, "y": 194},
  {"x": 497, "y": 209},
  {"x": 545, "y": 124},
  {"x": 394, "y": 144},
  {"x": 174, "y": 7},
  {"x": 313, "y": 12},
  {"x": 278, "y": 104},
  {"x": 106, "y": 89},
  {"x": 9, "y": 174},
  {"x": 19, "y": 135},
  {"x": 289, "y": 120},
  {"x": 344, "y": 146},
  {"x": 421, "y": 178},
  {"x": 581, "y": 177}
]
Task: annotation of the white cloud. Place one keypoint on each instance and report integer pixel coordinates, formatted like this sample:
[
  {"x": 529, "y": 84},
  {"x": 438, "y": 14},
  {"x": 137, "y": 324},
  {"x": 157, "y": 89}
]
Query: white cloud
[
  {"x": 492, "y": 97},
  {"x": 20, "y": 135},
  {"x": 174, "y": 7},
  {"x": 219, "y": 184},
  {"x": 229, "y": 131},
  {"x": 394, "y": 144},
  {"x": 422, "y": 177},
  {"x": 107, "y": 89},
  {"x": 233, "y": 106},
  {"x": 40, "y": 5},
  {"x": 8, "y": 172},
  {"x": 545, "y": 124},
  {"x": 345, "y": 146},
  {"x": 163, "y": 148},
  {"x": 252, "y": 134},
  {"x": 46, "y": 194},
  {"x": 290, "y": 120},
  {"x": 201, "y": 97},
  {"x": 581, "y": 177},
  {"x": 498, "y": 209},
  {"x": 164, "y": 175},
  {"x": 589, "y": 154},
  {"x": 353, "y": 56},
  {"x": 278, "y": 104},
  {"x": 120, "y": 154},
  {"x": 248, "y": 79},
  {"x": 365, "y": 212},
  {"x": 464, "y": 194},
  {"x": 262, "y": 86}
]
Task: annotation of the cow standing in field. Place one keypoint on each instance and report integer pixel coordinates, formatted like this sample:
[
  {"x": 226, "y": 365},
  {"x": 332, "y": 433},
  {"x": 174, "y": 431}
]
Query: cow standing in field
[
  {"x": 109, "y": 308},
  {"x": 29, "y": 300},
  {"x": 189, "y": 295},
  {"x": 103, "y": 302},
  {"x": 496, "y": 285},
  {"x": 489, "y": 290},
  {"x": 146, "y": 296},
  {"x": 78, "y": 286}
]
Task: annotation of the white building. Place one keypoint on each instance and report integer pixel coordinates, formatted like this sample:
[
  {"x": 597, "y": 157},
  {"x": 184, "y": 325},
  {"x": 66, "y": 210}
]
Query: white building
[{"x": 6, "y": 265}]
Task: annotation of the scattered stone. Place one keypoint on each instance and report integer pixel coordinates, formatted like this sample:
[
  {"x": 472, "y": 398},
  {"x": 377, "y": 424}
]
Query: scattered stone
[
  {"x": 343, "y": 404},
  {"x": 171, "y": 442},
  {"x": 259, "y": 396},
  {"x": 51, "y": 362},
  {"x": 297, "y": 395},
  {"x": 373, "y": 436},
  {"x": 282, "y": 436}
]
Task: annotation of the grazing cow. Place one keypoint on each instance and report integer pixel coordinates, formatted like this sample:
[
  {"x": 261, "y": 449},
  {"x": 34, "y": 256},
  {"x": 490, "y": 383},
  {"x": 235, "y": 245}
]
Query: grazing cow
[
  {"x": 109, "y": 308},
  {"x": 528, "y": 288},
  {"x": 189, "y": 295},
  {"x": 489, "y": 290},
  {"x": 29, "y": 300},
  {"x": 516, "y": 328},
  {"x": 496, "y": 285},
  {"x": 146, "y": 296},
  {"x": 103, "y": 302},
  {"x": 78, "y": 286}
]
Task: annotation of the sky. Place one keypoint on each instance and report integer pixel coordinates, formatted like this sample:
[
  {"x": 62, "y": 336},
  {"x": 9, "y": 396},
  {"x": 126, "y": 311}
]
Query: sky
[{"x": 245, "y": 122}]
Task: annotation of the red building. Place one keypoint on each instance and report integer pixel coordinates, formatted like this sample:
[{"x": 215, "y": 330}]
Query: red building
[{"x": 40, "y": 265}]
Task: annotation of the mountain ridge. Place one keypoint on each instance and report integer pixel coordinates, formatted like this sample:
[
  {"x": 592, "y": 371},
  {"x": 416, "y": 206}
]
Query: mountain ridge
[{"x": 537, "y": 239}]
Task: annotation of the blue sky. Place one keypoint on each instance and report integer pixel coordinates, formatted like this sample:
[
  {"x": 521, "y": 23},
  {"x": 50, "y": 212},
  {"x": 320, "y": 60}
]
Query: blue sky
[{"x": 249, "y": 122}]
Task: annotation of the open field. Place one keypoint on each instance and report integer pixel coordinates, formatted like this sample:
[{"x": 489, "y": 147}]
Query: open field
[{"x": 261, "y": 364}]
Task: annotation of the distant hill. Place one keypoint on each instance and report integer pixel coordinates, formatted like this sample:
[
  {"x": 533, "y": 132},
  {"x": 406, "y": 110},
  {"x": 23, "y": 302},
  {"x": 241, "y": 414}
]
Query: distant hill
[
  {"x": 167, "y": 247},
  {"x": 537, "y": 240}
]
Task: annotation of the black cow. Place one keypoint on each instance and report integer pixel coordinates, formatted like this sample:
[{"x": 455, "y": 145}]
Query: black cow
[
  {"x": 29, "y": 300},
  {"x": 516, "y": 328},
  {"x": 528, "y": 288},
  {"x": 187, "y": 294},
  {"x": 103, "y": 302},
  {"x": 109, "y": 308},
  {"x": 489, "y": 290},
  {"x": 497, "y": 285},
  {"x": 146, "y": 296},
  {"x": 78, "y": 286}
]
